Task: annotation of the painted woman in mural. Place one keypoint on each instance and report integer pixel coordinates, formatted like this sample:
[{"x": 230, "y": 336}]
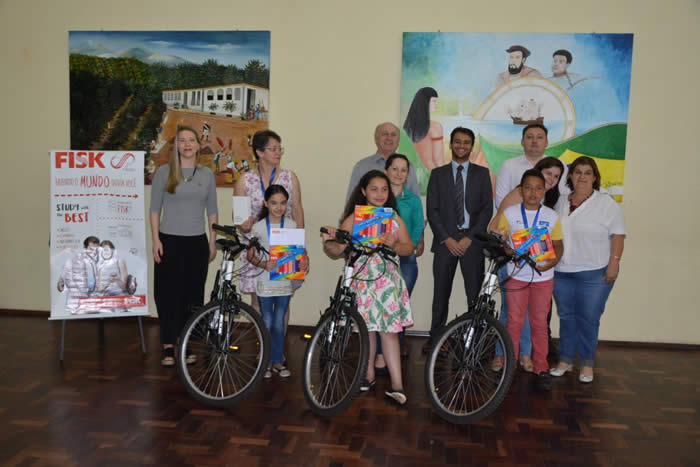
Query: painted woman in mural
[{"x": 426, "y": 134}]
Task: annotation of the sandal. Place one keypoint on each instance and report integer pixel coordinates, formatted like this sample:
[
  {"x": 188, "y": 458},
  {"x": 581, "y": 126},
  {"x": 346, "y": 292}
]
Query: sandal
[
  {"x": 282, "y": 371},
  {"x": 396, "y": 395},
  {"x": 366, "y": 385},
  {"x": 167, "y": 357},
  {"x": 526, "y": 364},
  {"x": 497, "y": 364}
]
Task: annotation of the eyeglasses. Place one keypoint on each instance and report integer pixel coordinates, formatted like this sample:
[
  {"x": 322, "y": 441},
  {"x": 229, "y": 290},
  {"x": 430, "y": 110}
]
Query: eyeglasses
[{"x": 275, "y": 149}]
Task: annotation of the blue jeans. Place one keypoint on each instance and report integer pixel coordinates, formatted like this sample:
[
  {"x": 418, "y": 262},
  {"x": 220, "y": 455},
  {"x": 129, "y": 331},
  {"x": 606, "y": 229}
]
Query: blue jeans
[
  {"x": 525, "y": 333},
  {"x": 273, "y": 310},
  {"x": 409, "y": 270},
  {"x": 580, "y": 298}
]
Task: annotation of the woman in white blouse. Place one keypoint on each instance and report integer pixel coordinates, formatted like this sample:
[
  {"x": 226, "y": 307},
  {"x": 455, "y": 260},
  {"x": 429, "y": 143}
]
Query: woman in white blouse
[{"x": 594, "y": 237}]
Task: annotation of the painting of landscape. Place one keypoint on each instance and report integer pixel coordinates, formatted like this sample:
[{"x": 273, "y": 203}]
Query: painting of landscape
[{"x": 130, "y": 90}]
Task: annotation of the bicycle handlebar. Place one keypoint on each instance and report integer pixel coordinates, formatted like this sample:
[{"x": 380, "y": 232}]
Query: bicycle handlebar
[
  {"x": 232, "y": 231},
  {"x": 495, "y": 242},
  {"x": 226, "y": 229},
  {"x": 343, "y": 236}
]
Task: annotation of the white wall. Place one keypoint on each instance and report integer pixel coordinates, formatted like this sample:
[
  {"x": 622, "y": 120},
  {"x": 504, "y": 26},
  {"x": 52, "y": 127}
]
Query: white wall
[{"x": 350, "y": 54}]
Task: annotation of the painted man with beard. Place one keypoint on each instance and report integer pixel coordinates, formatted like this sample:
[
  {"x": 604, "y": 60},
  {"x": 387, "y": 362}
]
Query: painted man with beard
[{"x": 517, "y": 54}]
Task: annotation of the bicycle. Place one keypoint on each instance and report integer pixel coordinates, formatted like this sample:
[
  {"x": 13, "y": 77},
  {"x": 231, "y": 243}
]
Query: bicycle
[
  {"x": 226, "y": 342},
  {"x": 335, "y": 359},
  {"x": 460, "y": 383}
]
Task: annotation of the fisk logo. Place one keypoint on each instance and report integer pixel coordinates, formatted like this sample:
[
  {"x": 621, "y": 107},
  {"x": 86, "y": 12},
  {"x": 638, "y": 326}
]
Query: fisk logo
[
  {"x": 125, "y": 161},
  {"x": 79, "y": 160}
]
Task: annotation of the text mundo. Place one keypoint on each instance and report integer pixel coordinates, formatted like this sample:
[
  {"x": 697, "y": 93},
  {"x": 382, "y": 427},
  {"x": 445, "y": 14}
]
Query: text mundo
[
  {"x": 79, "y": 159},
  {"x": 89, "y": 181}
]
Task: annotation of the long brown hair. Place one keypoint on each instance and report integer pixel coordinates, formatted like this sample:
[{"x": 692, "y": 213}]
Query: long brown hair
[{"x": 175, "y": 172}]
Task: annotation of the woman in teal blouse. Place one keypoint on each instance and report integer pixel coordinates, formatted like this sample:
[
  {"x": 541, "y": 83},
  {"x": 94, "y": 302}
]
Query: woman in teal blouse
[{"x": 411, "y": 212}]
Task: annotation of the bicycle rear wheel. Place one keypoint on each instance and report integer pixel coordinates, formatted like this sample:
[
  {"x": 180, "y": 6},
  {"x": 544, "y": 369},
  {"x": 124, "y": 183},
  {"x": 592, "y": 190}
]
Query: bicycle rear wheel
[
  {"x": 230, "y": 346},
  {"x": 459, "y": 381},
  {"x": 335, "y": 362}
]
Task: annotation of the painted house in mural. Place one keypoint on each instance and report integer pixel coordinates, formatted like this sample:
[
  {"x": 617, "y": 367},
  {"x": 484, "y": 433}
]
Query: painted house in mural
[{"x": 222, "y": 99}]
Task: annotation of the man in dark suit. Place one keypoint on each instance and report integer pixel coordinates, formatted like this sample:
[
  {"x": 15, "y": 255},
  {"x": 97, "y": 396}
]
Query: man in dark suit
[{"x": 459, "y": 204}]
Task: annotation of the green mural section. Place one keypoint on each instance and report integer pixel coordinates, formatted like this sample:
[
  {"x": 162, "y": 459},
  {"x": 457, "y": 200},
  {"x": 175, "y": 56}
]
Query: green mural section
[{"x": 604, "y": 142}]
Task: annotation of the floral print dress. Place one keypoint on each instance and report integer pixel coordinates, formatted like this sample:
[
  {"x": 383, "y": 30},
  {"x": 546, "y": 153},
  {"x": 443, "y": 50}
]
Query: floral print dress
[{"x": 382, "y": 295}]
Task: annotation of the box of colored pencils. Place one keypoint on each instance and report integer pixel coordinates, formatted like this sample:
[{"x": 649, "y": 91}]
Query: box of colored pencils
[
  {"x": 288, "y": 259},
  {"x": 537, "y": 242},
  {"x": 370, "y": 224}
]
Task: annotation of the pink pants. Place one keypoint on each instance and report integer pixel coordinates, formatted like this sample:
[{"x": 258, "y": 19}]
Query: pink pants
[{"x": 537, "y": 296}]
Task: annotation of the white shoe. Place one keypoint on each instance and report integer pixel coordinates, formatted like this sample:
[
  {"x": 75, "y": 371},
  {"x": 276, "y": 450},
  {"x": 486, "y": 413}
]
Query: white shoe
[
  {"x": 559, "y": 370},
  {"x": 585, "y": 378}
]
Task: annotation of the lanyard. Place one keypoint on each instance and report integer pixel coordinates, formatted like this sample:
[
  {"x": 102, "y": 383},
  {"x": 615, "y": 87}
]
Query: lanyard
[
  {"x": 267, "y": 223},
  {"x": 522, "y": 211},
  {"x": 272, "y": 177}
]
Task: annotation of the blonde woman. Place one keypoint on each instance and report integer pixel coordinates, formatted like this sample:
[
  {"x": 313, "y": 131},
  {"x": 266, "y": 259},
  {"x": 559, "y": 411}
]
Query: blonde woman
[{"x": 181, "y": 192}]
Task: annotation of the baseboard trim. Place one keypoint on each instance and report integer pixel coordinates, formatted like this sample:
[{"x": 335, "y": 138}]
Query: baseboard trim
[{"x": 150, "y": 320}]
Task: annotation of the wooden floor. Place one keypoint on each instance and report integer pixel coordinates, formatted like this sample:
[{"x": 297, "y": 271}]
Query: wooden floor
[{"x": 108, "y": 404}]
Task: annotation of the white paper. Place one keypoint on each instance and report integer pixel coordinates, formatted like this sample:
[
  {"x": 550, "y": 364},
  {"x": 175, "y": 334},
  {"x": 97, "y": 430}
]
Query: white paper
[
  {"x": 287, "y": 237},
  {"x": 241, "y": 209}
]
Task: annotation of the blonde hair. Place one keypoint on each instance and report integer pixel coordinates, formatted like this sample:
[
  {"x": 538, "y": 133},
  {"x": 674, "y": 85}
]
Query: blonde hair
[{"x": 175, "y": 172}]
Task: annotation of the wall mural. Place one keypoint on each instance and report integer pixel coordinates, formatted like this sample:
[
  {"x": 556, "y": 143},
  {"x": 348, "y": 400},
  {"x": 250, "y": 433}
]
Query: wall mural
[
  {"x": 129, "y": 90},
  {"x": 577, "y": 85}
]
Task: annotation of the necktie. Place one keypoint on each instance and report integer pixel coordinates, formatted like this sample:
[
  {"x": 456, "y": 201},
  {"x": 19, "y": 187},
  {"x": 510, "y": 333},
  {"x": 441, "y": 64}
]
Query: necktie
[{"x": 459, "y": 196}]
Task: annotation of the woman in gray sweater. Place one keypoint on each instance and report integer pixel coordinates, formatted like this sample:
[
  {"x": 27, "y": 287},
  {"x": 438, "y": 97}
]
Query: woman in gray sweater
[{"x": 181, "y": 192}]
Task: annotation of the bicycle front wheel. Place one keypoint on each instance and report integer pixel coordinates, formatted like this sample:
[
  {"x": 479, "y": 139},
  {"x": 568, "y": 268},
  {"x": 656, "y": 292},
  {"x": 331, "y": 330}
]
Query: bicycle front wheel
[
  {"x": 228, "y": 348},
  {"x": 459, "y": 380},
  {"x": 335, "y": 362}
]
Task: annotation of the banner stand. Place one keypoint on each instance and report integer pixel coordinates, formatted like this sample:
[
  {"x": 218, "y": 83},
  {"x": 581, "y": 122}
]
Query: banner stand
[{"x": 100, "y": 334}]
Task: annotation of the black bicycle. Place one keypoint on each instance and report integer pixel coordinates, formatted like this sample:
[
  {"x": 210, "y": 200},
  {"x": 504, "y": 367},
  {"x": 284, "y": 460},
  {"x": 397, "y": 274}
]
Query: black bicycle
[
  {"x": 335, "y": 360},
  {"x": 225, "y": 346},
  {"x": 459, "y": 379}
]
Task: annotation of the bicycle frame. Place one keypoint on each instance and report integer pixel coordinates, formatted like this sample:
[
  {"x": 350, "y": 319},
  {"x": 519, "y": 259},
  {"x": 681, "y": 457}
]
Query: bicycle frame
[
  {"x": 485, "y": 304},
  {"x": 225, "y": 291},
  {"x": 344, "y": 296}
]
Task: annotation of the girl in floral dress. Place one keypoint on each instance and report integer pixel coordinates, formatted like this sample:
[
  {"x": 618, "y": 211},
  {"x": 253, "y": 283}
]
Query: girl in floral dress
[{"x": 382, "y": 296}]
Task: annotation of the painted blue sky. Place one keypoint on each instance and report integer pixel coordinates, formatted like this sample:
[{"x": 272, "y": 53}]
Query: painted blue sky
[
  {"x": 226, "y": 47},
  {"x": 464, "y": 66}
]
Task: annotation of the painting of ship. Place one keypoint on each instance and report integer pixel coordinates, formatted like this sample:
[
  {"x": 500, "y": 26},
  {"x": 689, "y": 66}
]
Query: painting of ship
[{"x": 527, "y": 112}]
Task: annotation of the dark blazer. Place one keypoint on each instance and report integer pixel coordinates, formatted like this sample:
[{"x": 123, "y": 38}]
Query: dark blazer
[{"x": 440, "y": 202}]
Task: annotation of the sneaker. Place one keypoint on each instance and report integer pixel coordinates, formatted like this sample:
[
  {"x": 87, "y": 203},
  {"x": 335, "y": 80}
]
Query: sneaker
[
  {"x": 282, "y": 371},
  {"x": 268, "y": 374},
  {"x": 397, "y": 395},
  {"x": 544, "y": 381},
  {"x": 167, "y": 357},
  {"x": 366, "y": 385}
]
